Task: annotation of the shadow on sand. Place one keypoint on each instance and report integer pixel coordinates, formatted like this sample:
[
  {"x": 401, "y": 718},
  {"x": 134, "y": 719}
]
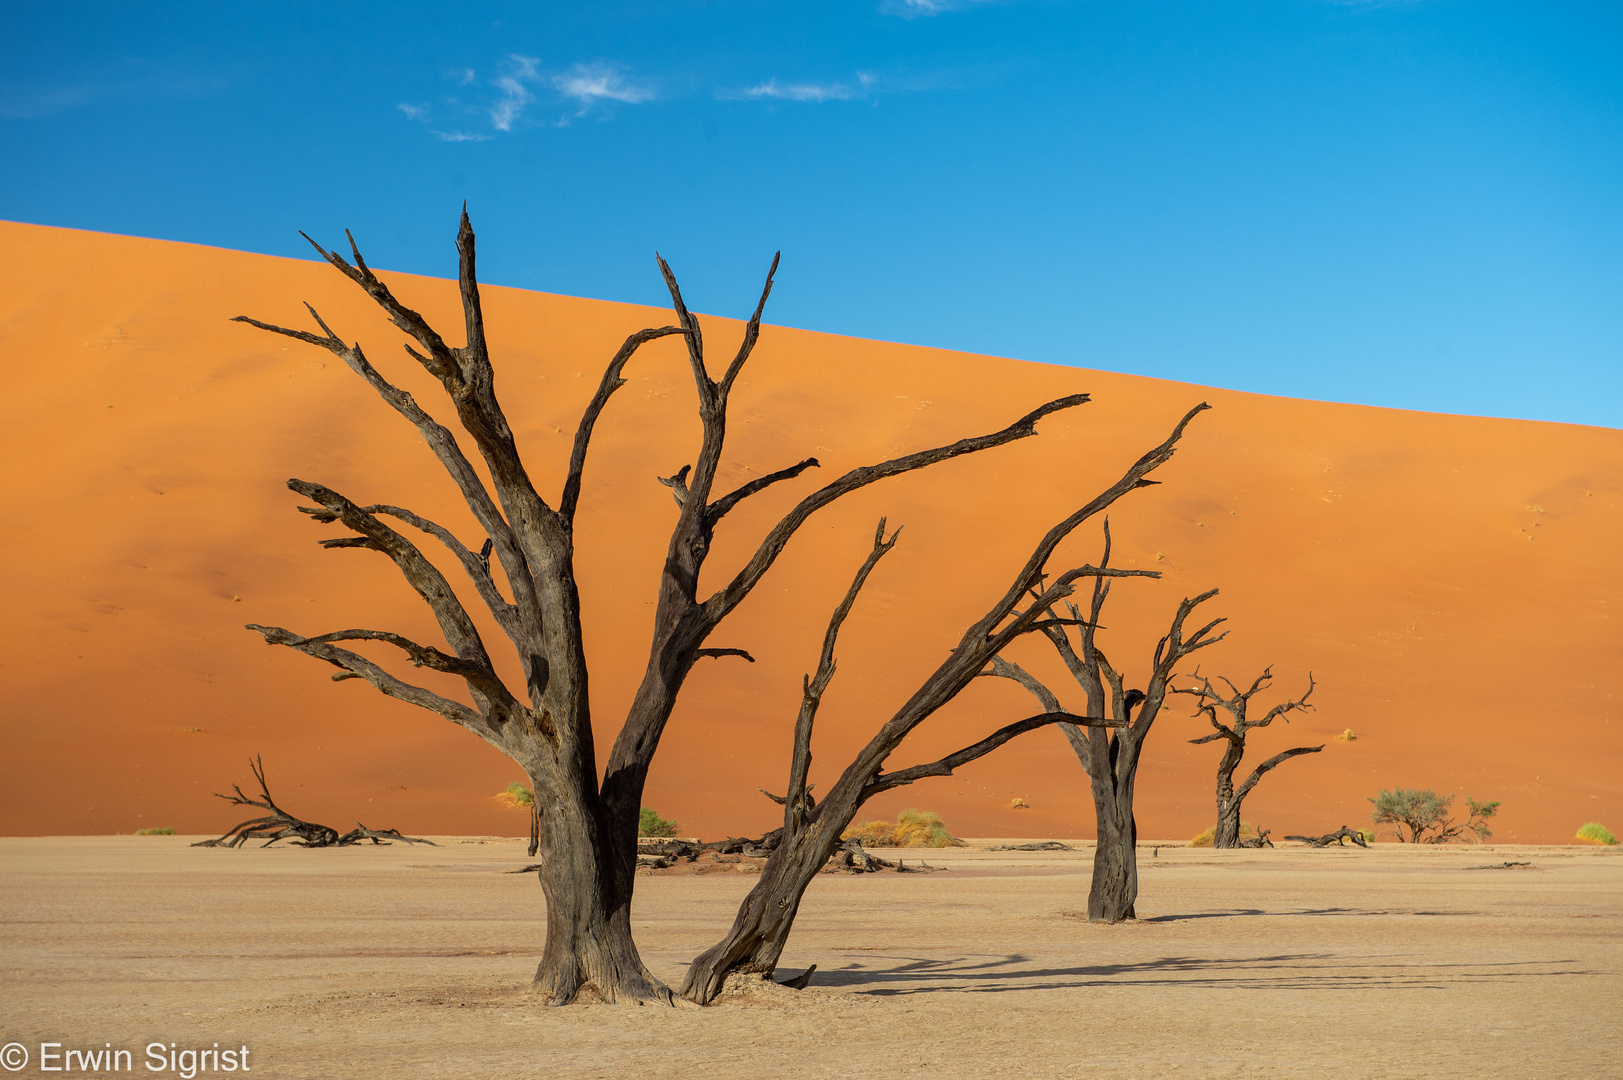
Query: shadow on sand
[{"x": 1280, "y": 971}]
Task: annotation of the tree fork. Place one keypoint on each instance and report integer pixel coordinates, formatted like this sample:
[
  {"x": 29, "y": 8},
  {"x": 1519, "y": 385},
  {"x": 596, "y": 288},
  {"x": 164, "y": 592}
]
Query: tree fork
[
  {"x": 585, "y": 832},
  {"x": 755, "y": 942}
]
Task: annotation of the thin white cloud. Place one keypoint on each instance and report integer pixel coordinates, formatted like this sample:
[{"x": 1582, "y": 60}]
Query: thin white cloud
[
  {"x": 917, "y": 9},
  {"x": 591, "y": 83},
  {"x": 515, "y": 94},
  {"x": 808, "y": 91},
  {"x": 519, "y": 86},
  {"x": 123, "y": 81}
]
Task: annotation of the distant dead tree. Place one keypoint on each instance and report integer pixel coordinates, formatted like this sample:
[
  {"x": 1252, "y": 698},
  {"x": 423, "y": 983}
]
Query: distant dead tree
[
  {"x": 1110, "y": 754},
  {"x": 1207, "y": 701},
  {"x": 587, "y": 831},
  {"x": 281, "y": 825},
  {"x": 811, "y": 830}
]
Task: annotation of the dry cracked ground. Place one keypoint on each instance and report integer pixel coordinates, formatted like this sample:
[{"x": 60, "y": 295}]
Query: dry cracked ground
[{"x": 405, "y": 962}]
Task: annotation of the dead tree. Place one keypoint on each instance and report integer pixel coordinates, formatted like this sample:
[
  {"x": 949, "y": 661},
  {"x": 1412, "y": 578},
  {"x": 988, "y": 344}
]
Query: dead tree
[
  {"x": 812, "y": 832},
  {"x": 1110, "y": 753},
  {"x": 587, "y": 831},
  {"x": 1339, "y": 838},
  {"x": 281, "y": 825},
  {"x": 1207, "y": 701}
]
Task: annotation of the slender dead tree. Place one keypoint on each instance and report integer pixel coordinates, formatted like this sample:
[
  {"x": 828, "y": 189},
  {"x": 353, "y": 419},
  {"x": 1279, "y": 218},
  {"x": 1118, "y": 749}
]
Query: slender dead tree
[
  {"x": 812, "y": 831},
  {"x": 586, "y": 830},
  {"x": 1207, "y": 701},
  {"x": 1110, "y": 753}
]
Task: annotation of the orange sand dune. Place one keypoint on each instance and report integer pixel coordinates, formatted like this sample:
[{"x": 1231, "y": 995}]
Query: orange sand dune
[{"x": 1451, "y": 582}]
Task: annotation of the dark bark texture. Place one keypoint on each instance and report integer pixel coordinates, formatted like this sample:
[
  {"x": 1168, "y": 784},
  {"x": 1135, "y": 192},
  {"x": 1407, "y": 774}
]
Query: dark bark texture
[
  {"x": 1339, "y": 838},
  {"x": 1110, "y": 753},
  {"x": 1233, "y": 733},
  {"x": 811, "y": 832},
  {"x": 584, "y": 832}
]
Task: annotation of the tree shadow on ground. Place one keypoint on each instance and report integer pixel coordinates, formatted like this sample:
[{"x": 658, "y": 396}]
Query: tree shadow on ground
[{"x": 1280, "y": 971}]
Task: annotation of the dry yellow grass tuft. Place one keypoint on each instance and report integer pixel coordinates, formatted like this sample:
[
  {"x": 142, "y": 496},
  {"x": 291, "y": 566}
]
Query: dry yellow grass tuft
[
  {"x": 912, "y": 828},
  {"x": 1019, "y": 804},
  {"x": 1248, "y": 831},
  {"x": 1347, "y": 736}
]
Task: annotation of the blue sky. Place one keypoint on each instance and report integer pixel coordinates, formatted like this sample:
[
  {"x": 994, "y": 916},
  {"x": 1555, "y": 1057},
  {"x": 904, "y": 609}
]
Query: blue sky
[{"x": 1416, "y": 204}]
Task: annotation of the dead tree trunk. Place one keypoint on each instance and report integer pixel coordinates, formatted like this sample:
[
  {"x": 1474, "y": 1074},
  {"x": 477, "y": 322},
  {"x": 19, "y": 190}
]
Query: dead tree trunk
[
  {"x": 811, "y": 832},
  {"x": 1110, "y": 753},
  {"x": 1208, "y": 701},
  {"x": 586, "y": 832}
]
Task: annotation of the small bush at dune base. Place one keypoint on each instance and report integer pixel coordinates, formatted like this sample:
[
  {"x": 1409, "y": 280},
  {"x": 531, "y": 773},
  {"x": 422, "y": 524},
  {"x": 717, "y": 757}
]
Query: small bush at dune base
[
  {"x": 1425, "y": 814},
  {"x": 167, "y": 830},
  {"x": 516, "y": 797},
  {"x": 1248, "y": 831},
  {"x": 1596, "y": 833},
  {"x": 912, "y": 828},
  {"x": 649, "y": 823}
]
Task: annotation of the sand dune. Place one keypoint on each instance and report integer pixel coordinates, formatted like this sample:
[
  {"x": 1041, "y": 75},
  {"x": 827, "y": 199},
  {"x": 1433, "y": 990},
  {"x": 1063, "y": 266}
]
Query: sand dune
[{"x": 1451, "y": 582}]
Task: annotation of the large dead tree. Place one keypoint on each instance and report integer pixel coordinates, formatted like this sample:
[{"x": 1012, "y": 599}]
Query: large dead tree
[
  {"x": 1110, "y": 753},
  {"x": 1208, "y": 699},
  {"x": 587, "y": 830},
  {"x": 811, "y": 831}
]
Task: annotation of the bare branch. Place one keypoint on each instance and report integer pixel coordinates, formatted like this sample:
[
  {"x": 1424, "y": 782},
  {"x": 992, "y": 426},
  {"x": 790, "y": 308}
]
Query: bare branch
[
  {"x": 1267, "y": 766},
  {"x": 1046, "y": 698},
  {"x": 429, "y": 584},
  {"x": 605, "y": 389},
  {"x": 719, "y": 508},
  {"x": 945, "y": 766},
  {"x": 690, "y": 330},
  {"x": 678, "y": 485},
  {"x": 1286, "y": 707},
  {"x": 380, "y": 679},
  {"x": 421, "y": 655},
  {"x": 718, "y": 605},
  {"x": 1033, "y": 570},
  {"x": 813, "y": 686},
  {"x": 476, "y": 565},
  {"x": 726, "y": 652},
  {"x": 445, "y": 447},
  {"x": 1005, "y": 669},
  {"x": 752, "y": 331}
]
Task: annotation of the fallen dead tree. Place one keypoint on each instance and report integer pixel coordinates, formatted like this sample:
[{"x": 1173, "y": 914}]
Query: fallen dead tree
[
  {"x": 1260, "y": 840},
  {"x": 281, "y": 825},
  {"x": 1045, "y": 845},
  {"x": 1339, "y": 837}
]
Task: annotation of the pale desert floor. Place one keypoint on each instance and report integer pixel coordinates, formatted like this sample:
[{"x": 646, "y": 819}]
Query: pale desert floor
[{"x": 412, "y": 962}]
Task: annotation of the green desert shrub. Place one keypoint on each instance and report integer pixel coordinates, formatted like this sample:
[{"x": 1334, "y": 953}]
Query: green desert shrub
[
  {"x": 912, "y": 828},
  {"x": 649, "y": 823},
  {"x": 516, "y": 797},
  {"x": 1248, "y": 831},
  {"x": 168, "y": 830},
  {"x": 1596, "y": 833},
  {"x": 1425, "y": 814}
]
